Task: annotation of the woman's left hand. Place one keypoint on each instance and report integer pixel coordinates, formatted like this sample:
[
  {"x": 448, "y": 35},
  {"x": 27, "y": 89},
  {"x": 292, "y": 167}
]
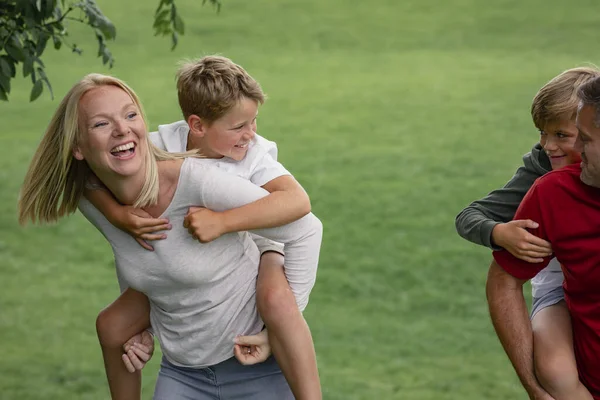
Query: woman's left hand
[{"x": 250, "y": 350}]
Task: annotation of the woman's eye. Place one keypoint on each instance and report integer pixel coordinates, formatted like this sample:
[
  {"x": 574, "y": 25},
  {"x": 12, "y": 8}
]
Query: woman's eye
[
  {"x": 99, "y": 124},
  {"x": 132, "y": 115}
]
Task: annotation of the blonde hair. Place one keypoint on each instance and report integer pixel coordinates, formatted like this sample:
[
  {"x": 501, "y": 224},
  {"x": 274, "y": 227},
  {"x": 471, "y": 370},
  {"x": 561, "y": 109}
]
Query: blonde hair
[
  {"x": 558, "y": 100},
  {"x": 210, "y": 86},
  {"x": 55, "y": 180}
]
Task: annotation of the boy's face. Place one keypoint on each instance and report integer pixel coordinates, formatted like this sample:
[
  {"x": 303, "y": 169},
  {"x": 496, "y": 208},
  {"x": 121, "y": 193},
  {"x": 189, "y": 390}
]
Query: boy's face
[
  {"x": 558, "y": 140},
  {"x": 588, "y": 142},
  {"x": 228, "y": 136}
]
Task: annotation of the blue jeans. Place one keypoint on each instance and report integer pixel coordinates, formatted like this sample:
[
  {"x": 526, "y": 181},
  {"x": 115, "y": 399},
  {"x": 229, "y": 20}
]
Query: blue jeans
[{"x": 228, "y": 380}]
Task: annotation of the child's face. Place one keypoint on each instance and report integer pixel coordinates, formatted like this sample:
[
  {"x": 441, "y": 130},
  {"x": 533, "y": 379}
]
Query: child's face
[
  {"x": 558, "y": 140},
  {"x": 228, "y": 136}
]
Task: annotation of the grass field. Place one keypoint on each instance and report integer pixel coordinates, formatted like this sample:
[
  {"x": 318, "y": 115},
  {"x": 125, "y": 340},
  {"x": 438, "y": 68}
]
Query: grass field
[{"x": 393, "y": 115}]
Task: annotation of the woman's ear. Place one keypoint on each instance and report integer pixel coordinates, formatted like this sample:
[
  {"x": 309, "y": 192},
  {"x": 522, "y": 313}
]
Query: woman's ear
[
  {"x": 77, "y": 153},
  {"x": 197, "y": 126}
]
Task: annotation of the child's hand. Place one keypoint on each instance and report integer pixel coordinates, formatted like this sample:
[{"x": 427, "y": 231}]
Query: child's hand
[
  {"x": 514, "y": 238},
  {"x": 250, "y": 350},
  {"x": 141, "y": 225},
  {"x": 204, "y": 224},
  {"x": 138, "y": 351}
]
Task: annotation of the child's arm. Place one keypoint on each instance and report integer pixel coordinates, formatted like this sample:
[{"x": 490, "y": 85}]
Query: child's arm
[
  {"x": 487, "y": 221},
  {"x": 134, "y": 221},
  {"x": 287, "y": 202}
]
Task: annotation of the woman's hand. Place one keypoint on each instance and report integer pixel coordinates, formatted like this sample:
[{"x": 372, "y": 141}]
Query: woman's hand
[
  {"x": 141, "y": 225},
  {"x": 138, "y": 351},
  {"x": 514, "y": 238},
  {"x": 250, "y": 350},
  {"x": 203, "y": 224}
]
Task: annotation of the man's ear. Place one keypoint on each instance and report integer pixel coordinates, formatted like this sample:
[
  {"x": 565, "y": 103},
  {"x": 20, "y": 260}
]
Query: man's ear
[
  {"x": 77, "y": 153},
  {"x": 197, "y": 125}
]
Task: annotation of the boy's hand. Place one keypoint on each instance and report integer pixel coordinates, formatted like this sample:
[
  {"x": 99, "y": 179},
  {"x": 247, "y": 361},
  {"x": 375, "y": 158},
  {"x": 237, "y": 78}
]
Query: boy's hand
[
  {"x": 250, "y": 350},
  {"x": 138, "y": 351},
  {"x": 514, "y": 238},
  {"x": 141, "y": 225},
  {"x": 204, "y": 224}
]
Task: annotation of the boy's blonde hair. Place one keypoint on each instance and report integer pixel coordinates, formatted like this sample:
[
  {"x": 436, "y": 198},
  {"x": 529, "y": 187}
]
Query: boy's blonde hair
[
  {"x": 55, "y": 180},
  {"x": 557, "y": 100},
  {"x": 213, "y": 85}
]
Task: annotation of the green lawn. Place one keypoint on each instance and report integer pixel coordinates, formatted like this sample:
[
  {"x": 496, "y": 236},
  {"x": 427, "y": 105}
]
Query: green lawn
[{"x": 392, "y": 114}]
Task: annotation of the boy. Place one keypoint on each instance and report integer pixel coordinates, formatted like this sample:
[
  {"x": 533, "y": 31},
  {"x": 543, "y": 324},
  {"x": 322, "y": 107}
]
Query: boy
[
  {"x": 488, "y": 222},
  {"x": 219, "y": 101}
]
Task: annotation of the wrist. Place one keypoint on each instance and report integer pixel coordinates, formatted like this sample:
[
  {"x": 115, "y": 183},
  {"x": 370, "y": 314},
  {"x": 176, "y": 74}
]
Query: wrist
[
  {"x": 227, "y": 223},
  {"x": 496, "y": 236}
]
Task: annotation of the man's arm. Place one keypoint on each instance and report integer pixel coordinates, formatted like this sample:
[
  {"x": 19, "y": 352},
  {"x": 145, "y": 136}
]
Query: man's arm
[{"x": 511, "y": 322}]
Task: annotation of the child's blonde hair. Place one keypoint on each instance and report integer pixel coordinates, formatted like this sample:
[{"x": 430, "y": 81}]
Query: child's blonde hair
[
  {"x": 557, "y": 100},
  {"x": 55, "y": 180},
  {"x": 210, "y": 86}
]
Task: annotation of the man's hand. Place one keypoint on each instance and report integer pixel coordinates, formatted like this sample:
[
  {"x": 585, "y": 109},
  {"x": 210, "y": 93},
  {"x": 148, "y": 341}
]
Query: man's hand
[
  {"x": 141, "y": 225},
  {"x": 138, "y": 351},
  {"x": 514, "y": 237},
  {"x": 203, "y": 224},
  {"x": 250, "y": 350}
]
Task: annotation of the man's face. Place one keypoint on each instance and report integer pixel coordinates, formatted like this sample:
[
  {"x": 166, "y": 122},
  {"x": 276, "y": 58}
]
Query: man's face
[{"x": 588, "y": 143}]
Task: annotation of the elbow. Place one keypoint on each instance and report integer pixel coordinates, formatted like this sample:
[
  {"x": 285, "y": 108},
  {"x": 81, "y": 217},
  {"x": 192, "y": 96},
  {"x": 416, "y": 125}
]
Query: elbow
[{"x": 302, "y": 204}]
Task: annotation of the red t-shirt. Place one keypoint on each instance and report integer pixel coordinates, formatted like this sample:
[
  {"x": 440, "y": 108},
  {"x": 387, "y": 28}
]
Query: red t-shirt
[{"x": 568, "y": 213}]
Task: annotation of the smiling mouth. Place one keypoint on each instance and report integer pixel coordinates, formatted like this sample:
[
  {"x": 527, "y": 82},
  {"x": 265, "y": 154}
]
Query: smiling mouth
[
  {"x": 242, "y": 145},
  {"x": 124, "y": 150}
]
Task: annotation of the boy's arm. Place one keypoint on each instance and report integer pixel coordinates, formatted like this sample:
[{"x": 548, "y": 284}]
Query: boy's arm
[
  {"x": 287, "y": 202},
  {"x": 134, "y": 221},
  {"x": 477, "y": 221}
]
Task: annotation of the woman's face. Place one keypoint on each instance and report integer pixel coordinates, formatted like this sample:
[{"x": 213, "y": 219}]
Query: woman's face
[
  {"x": 558, "y": 141},
  {"x": 113, "y": 132}
]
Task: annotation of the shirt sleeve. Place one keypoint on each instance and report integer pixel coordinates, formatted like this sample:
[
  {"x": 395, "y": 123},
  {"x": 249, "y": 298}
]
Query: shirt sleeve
[
  {"x": 265, "y": 245},
  {"x": 302, "y": 238},
  {"x": 476, "y": 222},
  {"x": 267, "y": 168},
  {"x": 157, "y": 140},
  {"x": 530, "y": 208}
]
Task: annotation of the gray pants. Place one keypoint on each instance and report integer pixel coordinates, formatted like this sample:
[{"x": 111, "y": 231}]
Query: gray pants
[{"x": 228, "y": 380}]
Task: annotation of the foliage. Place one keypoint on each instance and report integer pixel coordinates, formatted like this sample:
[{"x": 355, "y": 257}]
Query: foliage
[{"x": 26, "y": 27}]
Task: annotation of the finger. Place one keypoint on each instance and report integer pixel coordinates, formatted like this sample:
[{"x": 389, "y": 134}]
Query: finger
[
  {"x": 239, "y": 354},
  {"x": 154, "y": 228},
  {"x": 128, "y": 363},
  {"x": 144, "y": 244},
  {"x": 534, "y": 240},
  {"x": 142, "y": 347},
  {"x": 526, "y": 223},
  {"x": 532, "y": 260},
  {"x": 135, "y": 360},
  {"x": 532, "y": 248},
  {"x": 192, "y": 210},
  {"x": 150, "y": 222},
  {"x": 143, "y": 355},
  {"x": 253, "y": 340},
  {"x": 186, "y": 222},
  {"x": 153, "y": 236}
]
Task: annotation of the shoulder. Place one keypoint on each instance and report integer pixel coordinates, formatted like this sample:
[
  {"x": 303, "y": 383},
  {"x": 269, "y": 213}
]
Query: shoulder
[
  {"x": 563, "y": 179},
  {"x": 261, "y": 146}
]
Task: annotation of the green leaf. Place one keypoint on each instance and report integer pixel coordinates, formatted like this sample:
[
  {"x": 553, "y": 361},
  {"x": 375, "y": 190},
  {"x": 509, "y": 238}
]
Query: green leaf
[
  {"x": 27, "y": 66},
  {"x": 174, "y": 40},
  {"x": 36, "y": 90},
  {"x": 57, "y": 42},
  {"x": 3, "y": 95},
  {"x": 5, "y": 83},
  {"x": 178, "y": 25},
  {"x": 5, "y": 66},
  {"x": 41, "y": 44},
  {"x": 38, "y": 5},
  {"x": 14, "y": 48}
]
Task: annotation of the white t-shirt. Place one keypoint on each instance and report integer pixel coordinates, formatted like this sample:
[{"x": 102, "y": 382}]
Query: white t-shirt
[{"x": 259, "y": 166}]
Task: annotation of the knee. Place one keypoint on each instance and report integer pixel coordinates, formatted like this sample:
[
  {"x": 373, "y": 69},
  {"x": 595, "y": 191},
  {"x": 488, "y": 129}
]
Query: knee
[
  {"x": 275, "y": 303},
  {"x": 557, "y": 375},
  {"x": 107, "y": 328}
]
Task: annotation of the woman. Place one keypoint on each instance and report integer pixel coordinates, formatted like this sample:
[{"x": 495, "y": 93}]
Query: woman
[{"x": 201, "y": 295}]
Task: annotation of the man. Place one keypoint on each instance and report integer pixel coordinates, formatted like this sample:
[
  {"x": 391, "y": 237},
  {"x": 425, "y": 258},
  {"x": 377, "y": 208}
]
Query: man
[{"x": 566, "y": 204}]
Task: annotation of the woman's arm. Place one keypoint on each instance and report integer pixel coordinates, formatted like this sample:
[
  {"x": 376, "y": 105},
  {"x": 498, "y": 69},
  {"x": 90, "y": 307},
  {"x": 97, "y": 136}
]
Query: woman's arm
[
  {"x": 219, "y": 191},
  {"x": 477, "y": 221}
]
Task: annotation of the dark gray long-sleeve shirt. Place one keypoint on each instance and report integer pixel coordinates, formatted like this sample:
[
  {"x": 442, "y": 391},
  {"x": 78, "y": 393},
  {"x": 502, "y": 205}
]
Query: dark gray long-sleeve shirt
[{"x": 476, "y": 222}]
